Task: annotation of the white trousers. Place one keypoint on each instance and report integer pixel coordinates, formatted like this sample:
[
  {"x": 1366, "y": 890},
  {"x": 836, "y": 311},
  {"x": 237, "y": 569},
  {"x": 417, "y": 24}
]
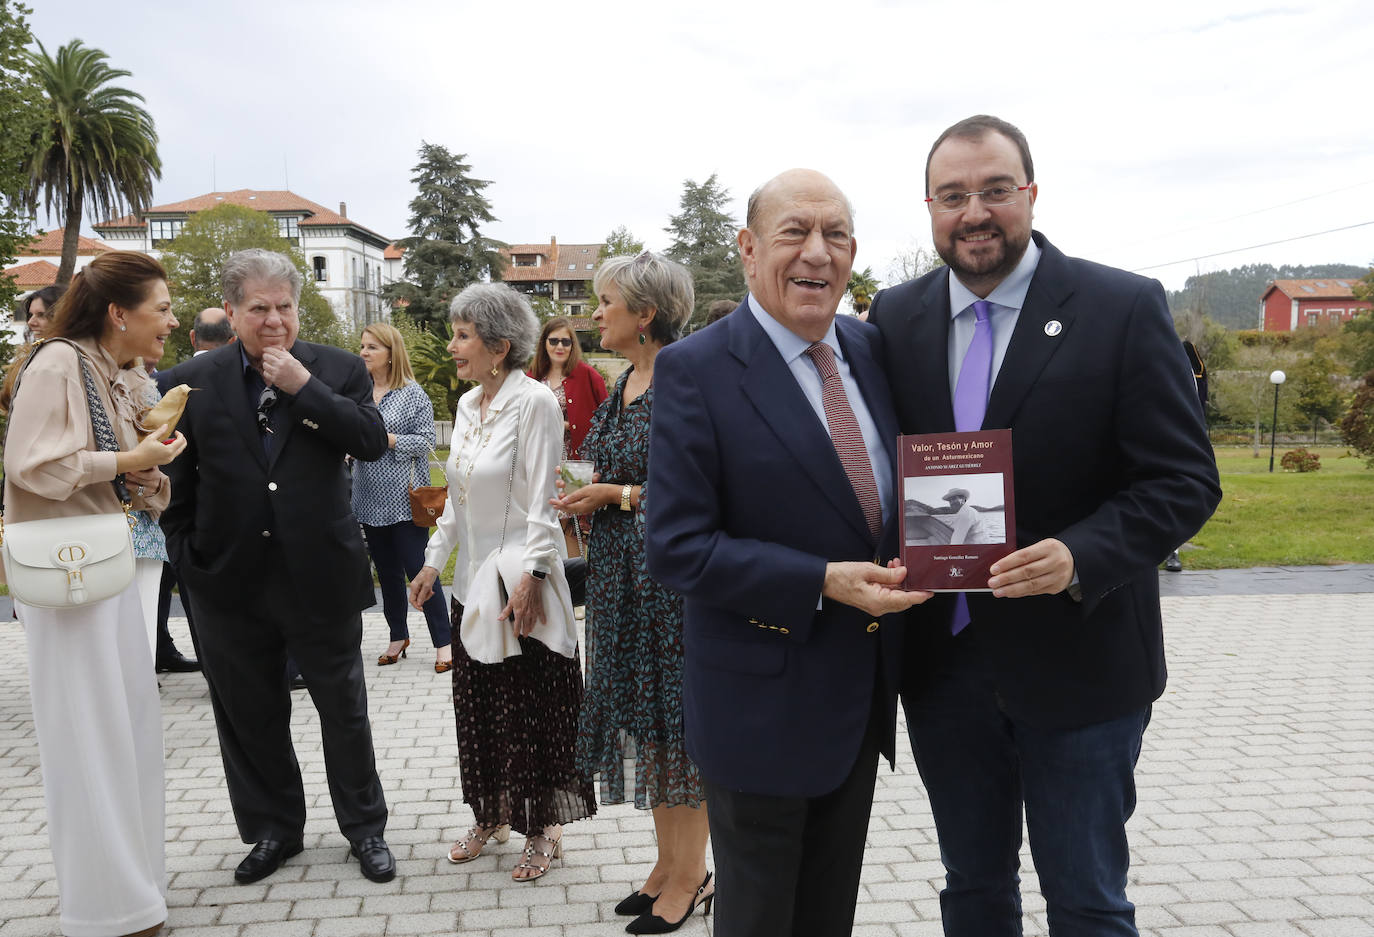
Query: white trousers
[
  {"x": 148, "y": 579},
  {"x": 99, "y": 725}
]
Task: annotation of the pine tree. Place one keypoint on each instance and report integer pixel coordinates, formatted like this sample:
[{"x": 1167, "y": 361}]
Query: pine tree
[
  {"x": 704, "y": 242},
  {"x": 446, "y": 251}
]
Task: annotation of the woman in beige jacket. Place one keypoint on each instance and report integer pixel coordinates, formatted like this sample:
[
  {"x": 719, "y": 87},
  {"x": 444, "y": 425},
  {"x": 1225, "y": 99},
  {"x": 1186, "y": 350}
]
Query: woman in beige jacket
[{"x": 95, "y": 702}]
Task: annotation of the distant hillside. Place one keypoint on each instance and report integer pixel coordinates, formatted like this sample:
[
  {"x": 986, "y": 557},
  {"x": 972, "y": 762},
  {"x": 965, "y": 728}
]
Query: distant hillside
[{"x": 1232, "y": 297}]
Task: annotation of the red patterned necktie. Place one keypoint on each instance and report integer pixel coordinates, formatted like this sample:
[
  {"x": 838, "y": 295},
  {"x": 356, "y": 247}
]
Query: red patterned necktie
[{"x": 847, "y": 437}]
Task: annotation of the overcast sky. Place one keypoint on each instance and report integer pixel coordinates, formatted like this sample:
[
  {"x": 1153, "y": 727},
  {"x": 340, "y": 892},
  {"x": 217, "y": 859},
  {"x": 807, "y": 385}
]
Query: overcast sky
[{"x": 1161, "y": 132}]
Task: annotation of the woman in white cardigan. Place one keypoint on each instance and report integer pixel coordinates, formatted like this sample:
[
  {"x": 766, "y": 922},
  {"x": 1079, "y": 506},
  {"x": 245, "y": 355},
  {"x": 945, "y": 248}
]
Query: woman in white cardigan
[
  {"x": 95, "y": 703},
  {"x": 517, "y": 677}
]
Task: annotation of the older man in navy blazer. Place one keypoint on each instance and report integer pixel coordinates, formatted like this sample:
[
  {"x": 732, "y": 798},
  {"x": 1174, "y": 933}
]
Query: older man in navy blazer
[
  {"x": 1037, "y": 695},
  {"x": 771, "y": 508}
]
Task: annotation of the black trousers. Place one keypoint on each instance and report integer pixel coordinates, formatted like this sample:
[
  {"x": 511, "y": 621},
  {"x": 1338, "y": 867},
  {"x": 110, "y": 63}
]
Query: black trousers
[
  {"x": 244, "y": 654},
  {"x": 789, "y": 866}
]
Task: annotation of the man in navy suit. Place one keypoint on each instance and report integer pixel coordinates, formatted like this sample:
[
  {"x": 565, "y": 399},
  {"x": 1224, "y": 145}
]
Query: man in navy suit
[
  {"x": 772, "y": 507},
  {"x": 1037, "y": 695}
]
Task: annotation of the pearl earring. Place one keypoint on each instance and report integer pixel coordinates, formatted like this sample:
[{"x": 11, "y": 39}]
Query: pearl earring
[{"x": 123, "y": 328}]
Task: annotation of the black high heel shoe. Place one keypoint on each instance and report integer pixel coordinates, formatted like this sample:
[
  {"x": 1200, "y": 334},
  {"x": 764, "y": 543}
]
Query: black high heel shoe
[
  {"x": 651, "y": 923},
  {"x": 636, "y": 904}
]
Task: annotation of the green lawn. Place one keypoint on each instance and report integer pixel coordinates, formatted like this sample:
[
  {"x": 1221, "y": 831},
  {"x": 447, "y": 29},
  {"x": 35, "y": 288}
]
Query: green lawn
[{"x": 1287, "y": 518}]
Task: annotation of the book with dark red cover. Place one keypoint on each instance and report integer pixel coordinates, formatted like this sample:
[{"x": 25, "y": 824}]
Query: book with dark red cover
[{"x": 957, "y": 510}]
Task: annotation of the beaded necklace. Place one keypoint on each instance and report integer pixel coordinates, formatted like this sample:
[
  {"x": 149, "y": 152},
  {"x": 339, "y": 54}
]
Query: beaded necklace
[{"x": 481, "y": 433}]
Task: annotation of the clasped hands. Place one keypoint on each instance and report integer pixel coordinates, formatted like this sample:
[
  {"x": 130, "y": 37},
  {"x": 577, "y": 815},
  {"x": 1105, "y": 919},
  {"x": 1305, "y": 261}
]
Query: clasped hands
[{"x": 525, "y": 609}]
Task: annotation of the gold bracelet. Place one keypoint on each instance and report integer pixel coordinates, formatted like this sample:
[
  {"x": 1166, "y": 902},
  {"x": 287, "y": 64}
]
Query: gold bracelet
[{"x": 625, "y": 498}]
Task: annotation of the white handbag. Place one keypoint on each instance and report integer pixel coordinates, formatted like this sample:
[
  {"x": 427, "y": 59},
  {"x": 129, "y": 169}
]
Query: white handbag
[{"x": 67, "y": 562}]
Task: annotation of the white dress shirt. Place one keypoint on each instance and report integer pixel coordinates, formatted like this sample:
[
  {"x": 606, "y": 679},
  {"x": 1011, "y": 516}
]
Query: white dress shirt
[
  {"x": 479, "y": 471},
  {"x": 793, "y": 347},
  {"x": 1006, "y": 301}
]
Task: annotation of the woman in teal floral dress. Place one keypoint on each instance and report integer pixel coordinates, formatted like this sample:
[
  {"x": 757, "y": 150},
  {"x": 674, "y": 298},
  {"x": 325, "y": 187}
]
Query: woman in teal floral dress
[{"x": 633, "y": 702}]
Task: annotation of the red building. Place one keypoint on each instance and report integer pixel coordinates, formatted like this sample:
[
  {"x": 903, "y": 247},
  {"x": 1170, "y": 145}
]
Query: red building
[{"x": 1288, "y": 305}]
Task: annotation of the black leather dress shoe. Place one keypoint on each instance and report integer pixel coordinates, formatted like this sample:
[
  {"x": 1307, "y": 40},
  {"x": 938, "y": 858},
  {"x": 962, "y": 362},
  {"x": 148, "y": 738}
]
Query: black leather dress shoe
[
  {"x": 266, "y": 857},
  {"x": 375, "y": 858},
  {"x": 174, "y": 661}
]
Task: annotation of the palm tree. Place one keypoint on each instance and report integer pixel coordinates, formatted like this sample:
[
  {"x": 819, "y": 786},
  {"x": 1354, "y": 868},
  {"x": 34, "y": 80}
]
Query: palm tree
[
  {"x": 97, "y": 144},
  {"x": 862, "y": 286}
]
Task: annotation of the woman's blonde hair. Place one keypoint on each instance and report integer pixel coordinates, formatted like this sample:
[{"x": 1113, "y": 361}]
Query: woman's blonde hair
[{"x": 389, "y": 337}]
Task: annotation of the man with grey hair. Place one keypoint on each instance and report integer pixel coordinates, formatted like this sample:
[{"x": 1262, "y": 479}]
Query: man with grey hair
[{"x": 260, "y": 517}]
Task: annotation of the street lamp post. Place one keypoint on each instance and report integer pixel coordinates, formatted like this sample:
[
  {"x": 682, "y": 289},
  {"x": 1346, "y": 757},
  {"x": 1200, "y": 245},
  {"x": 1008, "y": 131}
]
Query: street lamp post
[{"x": 1276, "y": 378}]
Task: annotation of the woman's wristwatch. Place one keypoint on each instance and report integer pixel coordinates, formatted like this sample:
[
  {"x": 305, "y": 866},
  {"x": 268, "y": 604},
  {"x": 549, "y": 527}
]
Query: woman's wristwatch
[
  {"x": 625, "y": 498},
  {"x": 539, "y": 574}
]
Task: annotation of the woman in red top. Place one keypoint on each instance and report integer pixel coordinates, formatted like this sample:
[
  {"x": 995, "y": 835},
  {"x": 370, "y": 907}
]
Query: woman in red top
[{"x": 578, "y": 386}]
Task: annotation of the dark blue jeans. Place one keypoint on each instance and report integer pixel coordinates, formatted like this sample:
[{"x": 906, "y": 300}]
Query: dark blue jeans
[
  {"x": 981, "y": 766},
  {"x": 398, "y": 552}
]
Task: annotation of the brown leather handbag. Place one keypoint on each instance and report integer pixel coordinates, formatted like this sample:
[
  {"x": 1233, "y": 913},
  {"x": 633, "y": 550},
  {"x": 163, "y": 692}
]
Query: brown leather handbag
[{"x": 426, "y": 501}]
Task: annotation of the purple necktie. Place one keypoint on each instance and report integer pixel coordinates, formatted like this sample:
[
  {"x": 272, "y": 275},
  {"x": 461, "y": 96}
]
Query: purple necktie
[{"x": 970, "y": 404}]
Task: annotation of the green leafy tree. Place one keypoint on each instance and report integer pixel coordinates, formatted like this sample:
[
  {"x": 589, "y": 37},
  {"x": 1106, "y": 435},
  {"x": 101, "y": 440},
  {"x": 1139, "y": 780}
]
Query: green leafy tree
[
  {"x": 21, "y": 119},
  {"x": 196, "y": 257},
  {"x": 704, "y": 242},
  {"x": 862, "y": 287},
  {"x": 1357, "y": 337},
  {"x": 1357, "y": 426},
  {"x": 446, "y": 250},
  {"x": 620, "y": 243},
  {"x": 1243, "y": 395},
  {"x": 98, "y": 150},
  {"x": 1319, "y": 396}
]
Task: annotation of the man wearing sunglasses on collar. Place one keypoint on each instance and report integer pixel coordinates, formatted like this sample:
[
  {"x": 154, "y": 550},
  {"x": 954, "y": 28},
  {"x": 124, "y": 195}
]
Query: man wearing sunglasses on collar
[{"x": 259, "y": 519}]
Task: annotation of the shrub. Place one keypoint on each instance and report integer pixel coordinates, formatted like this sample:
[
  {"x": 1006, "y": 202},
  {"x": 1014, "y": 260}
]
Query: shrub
[{"x": 1300, "y": 460}]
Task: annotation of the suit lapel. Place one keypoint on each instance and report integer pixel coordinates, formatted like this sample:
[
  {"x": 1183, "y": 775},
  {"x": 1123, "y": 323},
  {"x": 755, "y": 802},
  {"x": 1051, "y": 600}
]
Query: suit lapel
[
  {"x": 780, "y": 403},
  {"x": 1035, "y": 339},
  {"x": 234, "y": 400},
  {"x": 927, "y": 359}
]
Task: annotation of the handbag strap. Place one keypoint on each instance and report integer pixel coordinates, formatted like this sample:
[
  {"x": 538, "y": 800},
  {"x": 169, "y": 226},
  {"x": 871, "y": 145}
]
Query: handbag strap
[
  {"x": 510, "y": 481},
  {"x": 105, "y": 440}
]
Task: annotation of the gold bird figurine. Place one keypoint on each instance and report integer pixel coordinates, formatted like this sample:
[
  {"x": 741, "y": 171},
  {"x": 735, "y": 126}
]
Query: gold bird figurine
[{"x": 167, "y": 410}]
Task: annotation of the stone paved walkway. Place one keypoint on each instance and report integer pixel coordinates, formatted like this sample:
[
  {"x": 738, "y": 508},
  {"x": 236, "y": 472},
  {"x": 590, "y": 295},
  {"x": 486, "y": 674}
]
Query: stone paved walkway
[{"x": 1256, "y": 814}]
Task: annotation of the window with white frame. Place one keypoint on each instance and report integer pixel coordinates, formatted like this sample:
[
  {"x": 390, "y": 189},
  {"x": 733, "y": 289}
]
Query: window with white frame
[{"x": 289, "y": 228}]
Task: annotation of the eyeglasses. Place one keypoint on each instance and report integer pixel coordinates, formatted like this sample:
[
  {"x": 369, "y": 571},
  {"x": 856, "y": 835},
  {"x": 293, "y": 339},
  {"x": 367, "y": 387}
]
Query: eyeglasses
[
  {"x": 266, "y": 402},
  {"x": 564, "y": 342},
  {"x": 993, "y": 196}
]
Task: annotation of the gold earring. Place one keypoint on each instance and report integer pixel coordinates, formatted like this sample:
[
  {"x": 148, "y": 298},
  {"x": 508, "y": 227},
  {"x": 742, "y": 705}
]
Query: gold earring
[{"x": 494, "y": 371}]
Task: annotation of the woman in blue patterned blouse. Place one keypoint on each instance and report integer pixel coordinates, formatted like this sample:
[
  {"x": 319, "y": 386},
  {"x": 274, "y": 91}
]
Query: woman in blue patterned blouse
[{"x": 381, "y": 491}]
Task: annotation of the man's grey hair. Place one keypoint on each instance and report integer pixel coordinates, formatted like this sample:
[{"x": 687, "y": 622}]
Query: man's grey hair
[
  {"x": 210, "y": 335},
  {"x": 498, "y": 312},
  {"x": 257, "y": 264}
]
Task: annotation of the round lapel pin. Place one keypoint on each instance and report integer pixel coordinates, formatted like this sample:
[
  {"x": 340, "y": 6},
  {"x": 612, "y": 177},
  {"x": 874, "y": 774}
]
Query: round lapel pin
[{"x": 1053, "y": 328}]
